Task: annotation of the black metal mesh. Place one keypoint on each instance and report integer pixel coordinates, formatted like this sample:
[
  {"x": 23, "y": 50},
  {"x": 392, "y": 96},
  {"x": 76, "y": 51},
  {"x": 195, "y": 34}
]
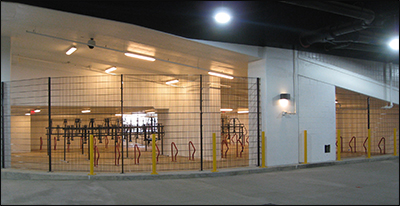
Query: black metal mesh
[
  {"x": 355, "y": 113},
  {"x": 123, "y": 113}
]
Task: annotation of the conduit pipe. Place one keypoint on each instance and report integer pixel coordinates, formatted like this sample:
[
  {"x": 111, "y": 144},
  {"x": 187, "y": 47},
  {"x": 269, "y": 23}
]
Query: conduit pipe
[
  {"x": 390, "y": 91},
  {"x": 364, "y": 16}
]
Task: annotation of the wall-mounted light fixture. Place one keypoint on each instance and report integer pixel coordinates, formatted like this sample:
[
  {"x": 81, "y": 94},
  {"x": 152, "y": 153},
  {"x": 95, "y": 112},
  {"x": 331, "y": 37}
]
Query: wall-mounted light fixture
[
  {"x": 137, "y": 56},
  {"x": 284, "y": 99},
  {"x": 71, "y": 50},
  {"x": 220, "y": 75}
]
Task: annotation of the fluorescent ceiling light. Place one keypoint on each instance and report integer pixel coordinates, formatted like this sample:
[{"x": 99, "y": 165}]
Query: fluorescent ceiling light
[
  {"x": 28, "y": 114},
  {"x": 110, "y": 69},
  {"x": 118, "y": 115},
  {"x": 71, "y": 50},
  {"x": 140, "y": 57},
  {"x": 37, "y": 110},
  {"x": 172, "y": 81},
  {"x": 394, "y": 44},
  {"x": 86, "y": 111},
  {"x": 243, "y": 112},
  {"x": 226, "y": 110},
  {"x": 220, "y": 75}
]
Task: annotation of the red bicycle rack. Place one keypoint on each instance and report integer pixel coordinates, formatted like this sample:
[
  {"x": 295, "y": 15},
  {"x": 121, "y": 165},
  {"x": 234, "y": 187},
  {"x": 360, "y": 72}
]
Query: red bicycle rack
[
  {"x": 106, "y": 142},
  {"x": 158, "y": 154},
  {"x": 96, "y": 150},
  {"x": 55, "y": 143},
  {"x": 172, "y": 151},
  {"x": 41, "y": 143},
  {"x": 341, "y": 144},
  {"x": 234, "y": 137},
  {"x": 222, "y": 148},
  {"x": 365, "y": 148},
  {"x": 194, "y": 150},
  {"x": 115, "y": 152},
  {"x": 351, "y": 149},
  {"x": 384, "y": 145},
  {"x": 136, "y": 146},
  {"x": 237, "y": 145}
]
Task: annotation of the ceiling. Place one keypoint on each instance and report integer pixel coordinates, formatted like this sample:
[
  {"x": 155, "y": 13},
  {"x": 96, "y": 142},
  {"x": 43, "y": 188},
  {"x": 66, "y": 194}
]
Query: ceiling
[{"x": 358, "y": 29}]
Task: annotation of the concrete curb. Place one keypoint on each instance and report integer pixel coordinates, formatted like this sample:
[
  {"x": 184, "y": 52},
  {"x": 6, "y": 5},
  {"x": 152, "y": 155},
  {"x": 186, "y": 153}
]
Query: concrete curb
[{"x": 16, "y": 174}]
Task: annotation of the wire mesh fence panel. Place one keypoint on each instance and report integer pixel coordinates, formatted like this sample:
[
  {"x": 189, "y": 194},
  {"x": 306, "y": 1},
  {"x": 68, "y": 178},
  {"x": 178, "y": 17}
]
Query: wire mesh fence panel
[
  {"x": 26, "y": 109},
  {"x": 125, "y": 114},
  {"x": 355, "y": 113}
]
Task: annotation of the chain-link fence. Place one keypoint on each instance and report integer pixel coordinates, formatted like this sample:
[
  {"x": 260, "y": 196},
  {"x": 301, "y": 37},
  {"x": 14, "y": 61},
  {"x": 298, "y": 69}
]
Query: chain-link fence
[
  {"x": 355, "y": 114},
  {"x": 48, "y": 122}
]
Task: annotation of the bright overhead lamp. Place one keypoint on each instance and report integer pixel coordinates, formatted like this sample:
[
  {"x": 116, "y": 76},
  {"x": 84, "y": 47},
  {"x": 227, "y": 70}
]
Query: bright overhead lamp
[
  {"x": 172, "y": 81},
  {"x": 222, "y": 17},
  {"x": 110, "y": 69},
  {"x": 220, "y": 75},
  {"x": 86, "y": 111},
  {"x": 394, "y": 44},
  {"x": 140, "y": 57},
  {"x": 37, "y": 110},
  {"x": 28, "y": 114},
  {"x": 226, "y": 110},
  {"x": 71, "y": 50}
]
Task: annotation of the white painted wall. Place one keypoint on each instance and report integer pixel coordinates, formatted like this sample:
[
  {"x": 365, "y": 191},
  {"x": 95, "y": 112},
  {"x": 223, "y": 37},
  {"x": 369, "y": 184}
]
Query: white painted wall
[{"x": 317, "y": 116}]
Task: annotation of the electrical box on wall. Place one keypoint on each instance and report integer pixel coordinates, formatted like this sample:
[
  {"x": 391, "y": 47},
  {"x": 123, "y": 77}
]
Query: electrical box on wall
[{"x": 327, "y": 148}]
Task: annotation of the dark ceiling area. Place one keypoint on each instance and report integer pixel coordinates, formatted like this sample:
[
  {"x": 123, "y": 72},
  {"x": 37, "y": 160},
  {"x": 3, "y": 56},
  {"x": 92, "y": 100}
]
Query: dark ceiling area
[{"x": 357, "y": 29}]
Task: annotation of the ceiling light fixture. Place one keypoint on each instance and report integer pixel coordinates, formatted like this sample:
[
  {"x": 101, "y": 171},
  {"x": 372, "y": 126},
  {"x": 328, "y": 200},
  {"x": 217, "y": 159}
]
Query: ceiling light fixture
[
  {"x": 86, "y": 111},
  {"x": 394, "y": 44},
  {"x": 140, "y": 56},
  {"x": 226, "y": 110},
  {"x": 220, "y": 75},
  {"x": 172, "y": 81},
  {"x": 37, "y": 110},
  {"x": 71, "y": 50},
  {"x": 110, "y": 70},
  {"x": 27, "y": 114},
  {"x": 222, "y": 17}
]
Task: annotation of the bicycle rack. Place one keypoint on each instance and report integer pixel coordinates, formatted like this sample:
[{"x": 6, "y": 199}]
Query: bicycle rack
[
  {"x": 351, "y": 149},
  {"x": 96, "y": 149},
  {"x": 222, "y": 148},
  {"x": 41, "y": 143},
  {"x": 365, "y": 148},
  {"x": 172, "y": 151},
  {"x": 341, "y": 144},
  {"x": 194, "y": 150},
  {"x": 384, "y": 145},
  {"x": 115, "y": 152},
  {"x": 237, "y": 145},
  {"x": 106, "y": 142},
  {"x": 158, "y": 154},
  {"x": 134, "y": 150},
  {"x": 55, "y": 143}
]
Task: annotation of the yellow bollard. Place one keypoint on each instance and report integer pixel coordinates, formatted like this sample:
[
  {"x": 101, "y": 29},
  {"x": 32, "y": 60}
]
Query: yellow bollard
[
  {"x": 369, "y": 143},
  {"x": 339, "y": 148},
  {"x": 305, "y": 147},
  {"x": 394, "y": 142},
  {"x": 214, "y": 153},
  {"x": 263, "y": 149},
  {"x": 91, "y": 152},
  {"x": 153, "y": 140}
]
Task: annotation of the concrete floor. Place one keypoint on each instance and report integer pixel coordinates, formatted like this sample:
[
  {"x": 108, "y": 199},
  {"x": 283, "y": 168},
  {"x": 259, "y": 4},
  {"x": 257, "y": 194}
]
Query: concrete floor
[{"x": 362, "y": 181}]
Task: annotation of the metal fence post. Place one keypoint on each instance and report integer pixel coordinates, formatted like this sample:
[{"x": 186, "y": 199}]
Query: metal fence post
[
  {"x": 50, "y": 123},
  {"x": 258, "y": 121},
  {"x": 2, "y": 126},
  {"x": 201, "y": 123},
  {"x": 122, "y": 123}
]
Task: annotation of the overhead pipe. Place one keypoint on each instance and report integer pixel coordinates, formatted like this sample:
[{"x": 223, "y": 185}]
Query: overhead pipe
[
  {"x": 364, "y": 16},
  {"x": 342, "y": 9}
]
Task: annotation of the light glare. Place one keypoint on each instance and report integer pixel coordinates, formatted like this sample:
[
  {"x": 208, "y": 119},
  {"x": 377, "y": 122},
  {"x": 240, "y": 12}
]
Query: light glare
[
  {"x": 394, "y": 44},
  {"x": 222, "y": 17}
]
